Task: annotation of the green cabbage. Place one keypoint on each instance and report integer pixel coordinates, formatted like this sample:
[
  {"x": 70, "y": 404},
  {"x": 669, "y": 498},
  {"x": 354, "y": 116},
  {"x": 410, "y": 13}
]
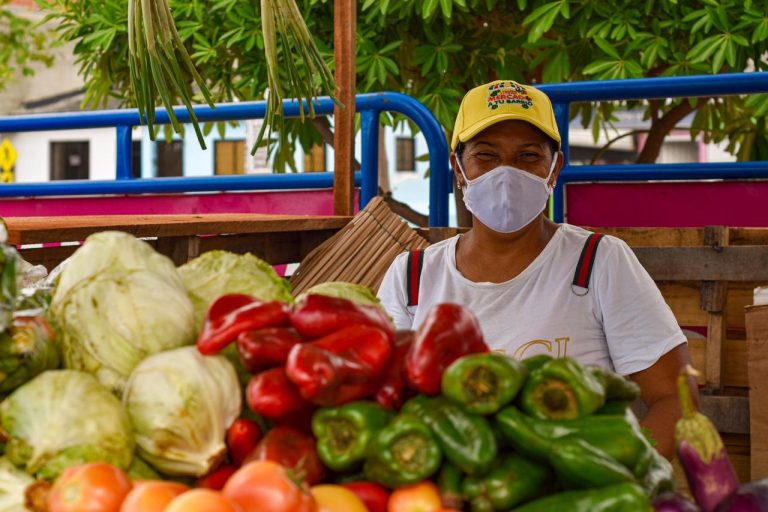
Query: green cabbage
[
  {"x": 217, "y": 273},
  {"x": 62, "y": 418},
  {"x": 13, "y": 487},
  {"x": 118, "y": 301},
  {"x": 350, "y": 291},
  {"x": 181, "y": 403}
]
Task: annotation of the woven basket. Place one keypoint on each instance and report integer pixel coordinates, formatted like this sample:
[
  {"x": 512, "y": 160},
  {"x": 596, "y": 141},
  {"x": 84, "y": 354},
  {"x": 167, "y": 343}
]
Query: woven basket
[{"x": 361, "y": 252}]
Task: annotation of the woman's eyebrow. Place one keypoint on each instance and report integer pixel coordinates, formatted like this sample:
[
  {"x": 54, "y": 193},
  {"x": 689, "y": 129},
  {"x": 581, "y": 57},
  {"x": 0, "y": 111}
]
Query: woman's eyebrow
[
  {"x": 482, "y": 143},
  {"x": 534, "y": 144}
]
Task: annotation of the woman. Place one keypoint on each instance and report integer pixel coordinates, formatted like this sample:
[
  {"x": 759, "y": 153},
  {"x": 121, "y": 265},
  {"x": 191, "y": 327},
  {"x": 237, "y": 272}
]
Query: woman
[{"x": 536, "y": 286}]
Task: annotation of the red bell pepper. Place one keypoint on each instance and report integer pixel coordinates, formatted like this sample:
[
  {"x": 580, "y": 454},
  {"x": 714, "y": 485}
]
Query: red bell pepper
[
  {"x": 217, "y": 478},
  {"x": 242, "y": 437},
  {"x": 315, "y": 316},
  {"x": 232, "y": 314},
  {"x": 341, "y": 367},
  {"x": 266, "y": 348},
  {"x": 394, "y": 386},
  {"x": 449, "y": 332},
  {"x": 373, "y": 496},
  {"x": 273, "y": 396},
  {"x": 292, "y": 449}
]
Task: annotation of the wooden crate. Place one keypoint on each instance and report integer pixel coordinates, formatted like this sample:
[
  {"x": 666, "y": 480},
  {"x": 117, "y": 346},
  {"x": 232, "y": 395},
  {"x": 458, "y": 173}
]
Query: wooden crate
[
  {"x": 277, "y": 239},
  {"x": 707, "y": 276}
]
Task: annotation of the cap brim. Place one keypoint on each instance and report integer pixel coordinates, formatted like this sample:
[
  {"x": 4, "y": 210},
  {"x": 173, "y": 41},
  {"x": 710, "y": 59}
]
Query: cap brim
[{"x": 478, "y": 127}]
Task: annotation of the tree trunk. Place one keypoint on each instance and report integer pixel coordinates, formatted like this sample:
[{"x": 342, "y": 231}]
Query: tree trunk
[{"x": 661, "y": 127}]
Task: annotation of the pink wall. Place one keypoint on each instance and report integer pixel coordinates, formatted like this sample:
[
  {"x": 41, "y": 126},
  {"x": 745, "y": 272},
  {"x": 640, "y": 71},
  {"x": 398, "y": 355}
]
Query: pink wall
[
  {"x": 690, "y": 204},
  {"x": 292, "y": 202}
]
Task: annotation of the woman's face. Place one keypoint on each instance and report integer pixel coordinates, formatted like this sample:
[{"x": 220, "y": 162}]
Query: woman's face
[{"x": 515, "y": 143}]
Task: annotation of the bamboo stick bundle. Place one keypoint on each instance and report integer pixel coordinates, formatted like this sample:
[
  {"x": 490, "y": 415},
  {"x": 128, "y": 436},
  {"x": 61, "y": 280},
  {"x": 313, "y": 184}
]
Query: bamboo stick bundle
[{"x": 361, "y": 252}]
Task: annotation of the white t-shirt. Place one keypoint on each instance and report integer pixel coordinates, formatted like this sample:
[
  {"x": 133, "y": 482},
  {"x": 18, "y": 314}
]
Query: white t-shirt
[{"x": 622, "y": 323}]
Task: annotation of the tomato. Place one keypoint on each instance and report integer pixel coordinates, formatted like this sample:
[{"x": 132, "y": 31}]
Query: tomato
[
  {"x": 421, "y": 497},
  {"x": 217, "y": 479},
  {"x": 201, "y": 500},
  {"x": 335, "y": 498},
  {"x": 97, "y": 487},
  {"x": 266, "y": 486},
  {"x": 152, "y": 496},
  {"x": 374, "y": 496}
]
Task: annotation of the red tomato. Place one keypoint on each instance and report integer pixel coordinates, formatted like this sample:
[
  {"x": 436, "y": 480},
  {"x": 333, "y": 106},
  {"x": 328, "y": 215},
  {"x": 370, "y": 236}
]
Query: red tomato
[
  {"x": 201, "y": 500},
  {"x": 265, "y": 486},
  {"x": 373, "y": 495},
  {"x": 94, "y": 487},
  {"x": 421, "y": 497},
  {"x": 152, "y": 496}
]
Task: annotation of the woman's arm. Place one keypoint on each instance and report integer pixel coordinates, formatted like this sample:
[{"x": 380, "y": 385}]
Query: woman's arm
[{"x": 658, "y": 385}]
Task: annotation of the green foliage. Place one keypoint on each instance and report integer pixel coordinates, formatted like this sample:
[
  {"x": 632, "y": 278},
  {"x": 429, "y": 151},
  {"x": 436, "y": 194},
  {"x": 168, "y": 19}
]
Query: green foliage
[
  {"x": 435, "y": 50},
  {"x": 21, "y": 44}
]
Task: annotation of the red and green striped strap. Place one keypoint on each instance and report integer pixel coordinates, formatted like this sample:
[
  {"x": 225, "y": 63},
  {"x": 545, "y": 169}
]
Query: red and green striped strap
[
  {"x": 415, "y": 263},
  {"x": 586, "y": 261}
]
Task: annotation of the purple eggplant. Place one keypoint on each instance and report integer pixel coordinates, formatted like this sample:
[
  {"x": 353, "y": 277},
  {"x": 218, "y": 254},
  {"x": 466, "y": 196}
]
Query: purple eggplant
[
  {"x": 673, "y": 502},
  {"x": 750, "y": 497},
  {"x": 710, "y": 474}
]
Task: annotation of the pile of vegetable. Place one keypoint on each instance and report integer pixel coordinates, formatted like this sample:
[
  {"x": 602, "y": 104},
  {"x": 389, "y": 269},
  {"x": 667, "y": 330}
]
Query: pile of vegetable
[
  {"x": 343, "y": 412},
  {"x": 352, "y": 400}
]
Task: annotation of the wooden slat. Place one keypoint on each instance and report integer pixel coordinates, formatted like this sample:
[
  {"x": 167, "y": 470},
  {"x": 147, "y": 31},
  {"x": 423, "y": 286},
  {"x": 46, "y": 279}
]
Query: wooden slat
[
  {"x": 713, "y": 300},
  {"x": 274, "y": 248},
  {"x": 728, "y": 413},
  {"x": 344, "y": 49},
  {"x": 749, "y": 236},
  {"x": 34, "y": 230},
  {"x": 735, "y": 373},
  {"x": 757, "y": 342},
  {"x": 740, "y": 263},
  {"x": 180, "y": 249},
  {"x": 655, "y": 237}
]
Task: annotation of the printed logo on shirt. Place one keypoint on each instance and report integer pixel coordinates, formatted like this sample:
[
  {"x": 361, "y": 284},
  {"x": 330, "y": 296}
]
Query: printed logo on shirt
[{"x": 556, "y": 348}]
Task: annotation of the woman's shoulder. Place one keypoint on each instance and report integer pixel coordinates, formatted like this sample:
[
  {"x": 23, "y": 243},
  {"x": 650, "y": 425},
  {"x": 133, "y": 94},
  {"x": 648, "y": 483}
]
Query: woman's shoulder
[
  {"x": 576, "y": 235},
  {"x": 434, "y": 251}
]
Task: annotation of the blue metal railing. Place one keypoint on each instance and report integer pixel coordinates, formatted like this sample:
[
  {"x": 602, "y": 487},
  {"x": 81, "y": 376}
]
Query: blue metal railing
[
  {"x": 369, "y": 106},
  {"x": 563, "y": 94}
]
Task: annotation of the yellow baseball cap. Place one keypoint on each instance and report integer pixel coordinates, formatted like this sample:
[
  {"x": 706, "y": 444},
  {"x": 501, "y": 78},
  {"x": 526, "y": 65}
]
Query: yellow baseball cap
[{"x": 503, "y": 100}]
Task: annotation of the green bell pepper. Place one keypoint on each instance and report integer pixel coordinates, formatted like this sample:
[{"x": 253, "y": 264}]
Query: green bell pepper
[
  {"x": 618, "y": 436},
  {"x": 617, "y": 387},
  {"x": 483, "y": 383},
  {"x": 514, "y": 480},
  {"x": 660, "y": 477},
  {"x": 536, "y": 362},
  {"x": 613, "y": 408},
  {"x": 562, "y": 389},
  {"x": 449, "y": 482},
  {"x": 404, "y": 452},
  {"x": 624, "y": 497},
  {"x": 579, "y": 465},
  {"x": 343, "y": 432},
  {"x": 465, "y": 439}
]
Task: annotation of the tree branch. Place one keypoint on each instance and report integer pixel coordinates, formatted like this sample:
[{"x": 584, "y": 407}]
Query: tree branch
[
  {"x": 404, "y": 210},
  {"x": 661, "y": 127},
  {"x": 600, "y": 152}
]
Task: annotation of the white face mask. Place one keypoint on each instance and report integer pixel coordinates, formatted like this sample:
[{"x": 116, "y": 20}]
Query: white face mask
[{"x": 506, "y": 199}]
